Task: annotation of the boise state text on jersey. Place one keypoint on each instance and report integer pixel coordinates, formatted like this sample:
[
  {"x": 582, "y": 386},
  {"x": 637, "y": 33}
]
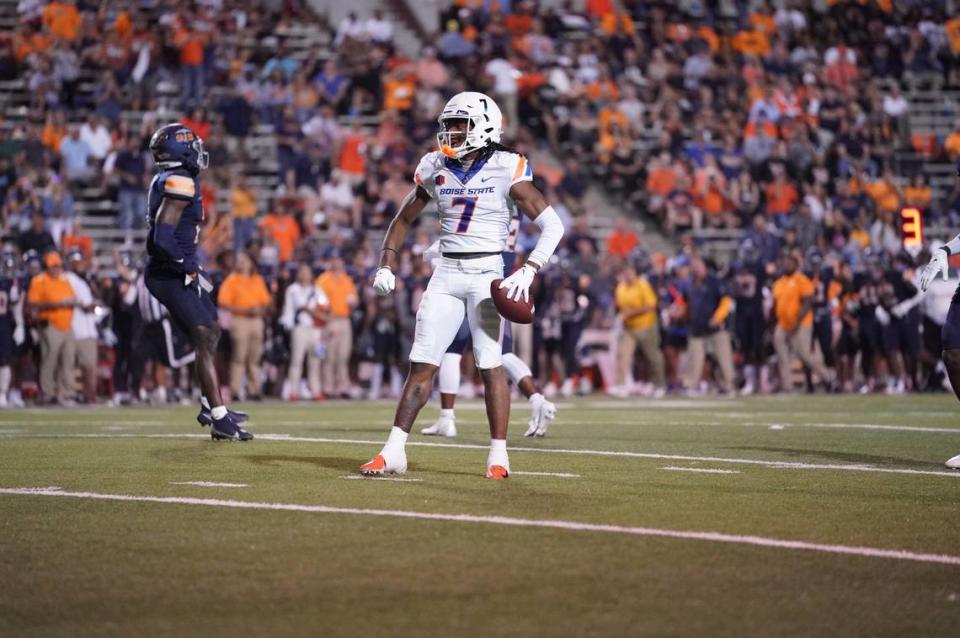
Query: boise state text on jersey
[{"x": 474, "y": 202}]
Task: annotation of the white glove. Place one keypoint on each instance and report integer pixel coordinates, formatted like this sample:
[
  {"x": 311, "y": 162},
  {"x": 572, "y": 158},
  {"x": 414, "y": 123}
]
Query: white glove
[
  {"x": 518, "y": 284},
  {"x": 938, "y": 264},
  {"x": 901, "y": 309},
  {"x": 19, "y": 335},
  {"x": 384, "y": 282},
  {"x": 882, "y": 315}
]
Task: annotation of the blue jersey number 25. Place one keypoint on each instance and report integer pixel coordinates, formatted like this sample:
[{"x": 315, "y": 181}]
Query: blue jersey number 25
[{"x": 468, "y": 203}]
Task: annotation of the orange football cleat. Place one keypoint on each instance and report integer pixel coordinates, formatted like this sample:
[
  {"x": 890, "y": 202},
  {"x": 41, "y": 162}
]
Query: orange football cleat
[
  {"x": 379, "y": 465},
  {"x": 374, "y": 466},
  {"x": 497, "y": 472}
]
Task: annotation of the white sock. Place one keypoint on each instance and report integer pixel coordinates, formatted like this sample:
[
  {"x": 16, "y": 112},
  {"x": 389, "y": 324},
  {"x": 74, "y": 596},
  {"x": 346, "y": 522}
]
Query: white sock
[
  {"x": 396, "y": 442},
  {"x": 5, "y": 375},
  {"x": 204, "y": 403},
  {"x": 498, "y": 453},
  {"x": 447, "y": 414},
  {"x": 219, "y": 412}
]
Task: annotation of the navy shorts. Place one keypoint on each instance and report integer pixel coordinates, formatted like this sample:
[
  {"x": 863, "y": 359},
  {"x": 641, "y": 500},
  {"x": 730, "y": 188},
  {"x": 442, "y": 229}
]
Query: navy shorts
[
  {"x": 871, "y": 335},
  {"x": 951, "y": 328},
  {"x": 463, "y": 341},
  {"x": 8, "y": 349},
  {"x": 903, "y": 334},
  {"x": 189, "y": 306}
]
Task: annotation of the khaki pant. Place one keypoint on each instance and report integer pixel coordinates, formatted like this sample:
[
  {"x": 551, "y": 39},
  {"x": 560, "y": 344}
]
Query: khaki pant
[
  {"x": 336, "y": 370},
  {"x": 649, "y": 341},
  {"x": 303, "y": 343},
  {"x": 57, "y": 354},
  {"x": 717, "y": 344},
  {"x": 800, "y": 343},
  {"x": 87, "y": 362},
  {"x": 246, "y": 334}
]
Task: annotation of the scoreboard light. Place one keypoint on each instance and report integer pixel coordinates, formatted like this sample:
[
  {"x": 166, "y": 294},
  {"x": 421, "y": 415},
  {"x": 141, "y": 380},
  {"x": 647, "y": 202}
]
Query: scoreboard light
[{"x": 911, "y": 225}]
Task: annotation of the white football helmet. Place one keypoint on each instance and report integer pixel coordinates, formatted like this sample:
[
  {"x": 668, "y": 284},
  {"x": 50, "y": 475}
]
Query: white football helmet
[{"x": 484, "y": 124}]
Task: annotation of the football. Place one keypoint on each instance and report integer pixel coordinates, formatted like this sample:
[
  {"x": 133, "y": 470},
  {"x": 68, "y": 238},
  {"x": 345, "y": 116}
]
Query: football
[{"x": 515, "y": 311}]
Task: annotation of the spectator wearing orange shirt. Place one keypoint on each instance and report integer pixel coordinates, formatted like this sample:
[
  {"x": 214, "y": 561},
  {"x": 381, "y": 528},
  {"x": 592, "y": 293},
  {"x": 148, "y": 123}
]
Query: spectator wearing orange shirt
[
  {"x": 781, "y": 196},
  {"x": 711, "y": 195},
  {"x": 283, "y": 228},
  {"x": 399, "y": 91},
  {"x": 793, "y": 302},
  {"x": 244, "y": 294},
  {"x": 341, "y": 293},
  {"x": 76, "y": 239},
  {"x": 191, "y": 45},
  {"x": 50, "y": 297},
  {"x": 661, "y": 178},
  {"x": 62, "y": 20},
  {"x": 622, "y": 240},
  {"x": 352, "y": 156}
]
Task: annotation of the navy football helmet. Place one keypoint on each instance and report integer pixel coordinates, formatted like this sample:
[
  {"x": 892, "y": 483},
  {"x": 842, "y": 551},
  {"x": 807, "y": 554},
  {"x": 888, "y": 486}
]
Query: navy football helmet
[{"x": 176, "y": 146}]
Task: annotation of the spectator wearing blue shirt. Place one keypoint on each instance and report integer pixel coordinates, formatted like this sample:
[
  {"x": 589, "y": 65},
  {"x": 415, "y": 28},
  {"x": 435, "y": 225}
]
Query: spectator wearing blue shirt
[
  {"x": 75, "y": 155},
  {"x": 130, "y": 167},
  {"x": 709, "y": 306}
]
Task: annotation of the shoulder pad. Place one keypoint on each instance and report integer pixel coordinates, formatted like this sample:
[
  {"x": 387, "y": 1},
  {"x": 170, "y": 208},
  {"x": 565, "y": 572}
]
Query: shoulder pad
[{"x": 178, "y": 186}]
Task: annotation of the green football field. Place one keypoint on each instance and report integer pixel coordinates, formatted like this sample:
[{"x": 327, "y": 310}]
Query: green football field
[{"x": 808, "y": 516}]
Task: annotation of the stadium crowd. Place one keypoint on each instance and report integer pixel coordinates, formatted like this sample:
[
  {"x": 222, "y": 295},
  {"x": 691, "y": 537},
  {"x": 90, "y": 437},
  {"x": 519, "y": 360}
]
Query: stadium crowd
[{"x": 783, "y": 123}]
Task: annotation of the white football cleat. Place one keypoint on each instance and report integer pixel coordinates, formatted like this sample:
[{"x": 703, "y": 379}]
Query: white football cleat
[
  {"x": 396, "y": 464},
  {"x": 443, "y": 427},
  {"x": 954, "y": 463},
  {"x": 543, "y": 412}
]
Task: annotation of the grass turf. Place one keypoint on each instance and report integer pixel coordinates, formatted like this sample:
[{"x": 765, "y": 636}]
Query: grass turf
[{"x": 94, "y": 567}]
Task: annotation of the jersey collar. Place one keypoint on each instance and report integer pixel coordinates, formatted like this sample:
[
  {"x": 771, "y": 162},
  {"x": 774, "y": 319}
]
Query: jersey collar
[{"x": 461, "y": 173}]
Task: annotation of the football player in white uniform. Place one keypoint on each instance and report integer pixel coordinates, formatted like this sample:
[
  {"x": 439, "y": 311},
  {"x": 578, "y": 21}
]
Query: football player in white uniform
[
  {"x": 475, "y": 182},
  {"x": 542, "y": 411}
]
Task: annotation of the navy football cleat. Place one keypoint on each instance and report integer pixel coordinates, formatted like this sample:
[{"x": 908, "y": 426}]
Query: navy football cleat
[
  {"x": 205, "y": 419},
  {"x": 228, "y": 429}
]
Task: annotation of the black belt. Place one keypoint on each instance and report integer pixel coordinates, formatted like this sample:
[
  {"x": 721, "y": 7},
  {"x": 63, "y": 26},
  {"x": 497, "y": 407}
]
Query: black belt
[{"x": 468, "y": 255}]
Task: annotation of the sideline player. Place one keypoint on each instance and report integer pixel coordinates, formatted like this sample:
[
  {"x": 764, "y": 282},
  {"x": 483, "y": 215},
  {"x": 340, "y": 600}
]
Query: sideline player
[
  {"x": 476, "y": 183},
  {"x": 448, "y": 377},
  {"x": 174, "y": 215}
]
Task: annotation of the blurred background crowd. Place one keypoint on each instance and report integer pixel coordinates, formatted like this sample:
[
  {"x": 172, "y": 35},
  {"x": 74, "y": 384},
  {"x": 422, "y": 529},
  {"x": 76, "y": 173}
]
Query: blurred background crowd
[{"x": 731, "y": 174}]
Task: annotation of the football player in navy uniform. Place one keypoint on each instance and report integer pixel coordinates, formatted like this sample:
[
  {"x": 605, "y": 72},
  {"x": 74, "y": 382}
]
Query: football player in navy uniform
[{"x": 174, "y": 216}]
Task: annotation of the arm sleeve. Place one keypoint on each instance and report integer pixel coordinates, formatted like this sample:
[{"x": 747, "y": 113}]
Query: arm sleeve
[{"x": 551, "y": 232}]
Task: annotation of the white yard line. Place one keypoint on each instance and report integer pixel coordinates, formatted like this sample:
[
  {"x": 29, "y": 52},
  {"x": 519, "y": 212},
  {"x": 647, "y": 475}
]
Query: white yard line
[
  {"x": 398, "y": 479},
  {"x": 208, "y": 484},
  {"x": 556, "y": 474},
  {"x": 705, "y": 470},
  {"x": 841, "y": 467},
  {"x": 715, "y": 537}
]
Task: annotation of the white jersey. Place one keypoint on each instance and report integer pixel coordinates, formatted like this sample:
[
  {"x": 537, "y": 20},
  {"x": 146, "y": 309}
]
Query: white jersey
[{"x": 475, "y": 207}]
